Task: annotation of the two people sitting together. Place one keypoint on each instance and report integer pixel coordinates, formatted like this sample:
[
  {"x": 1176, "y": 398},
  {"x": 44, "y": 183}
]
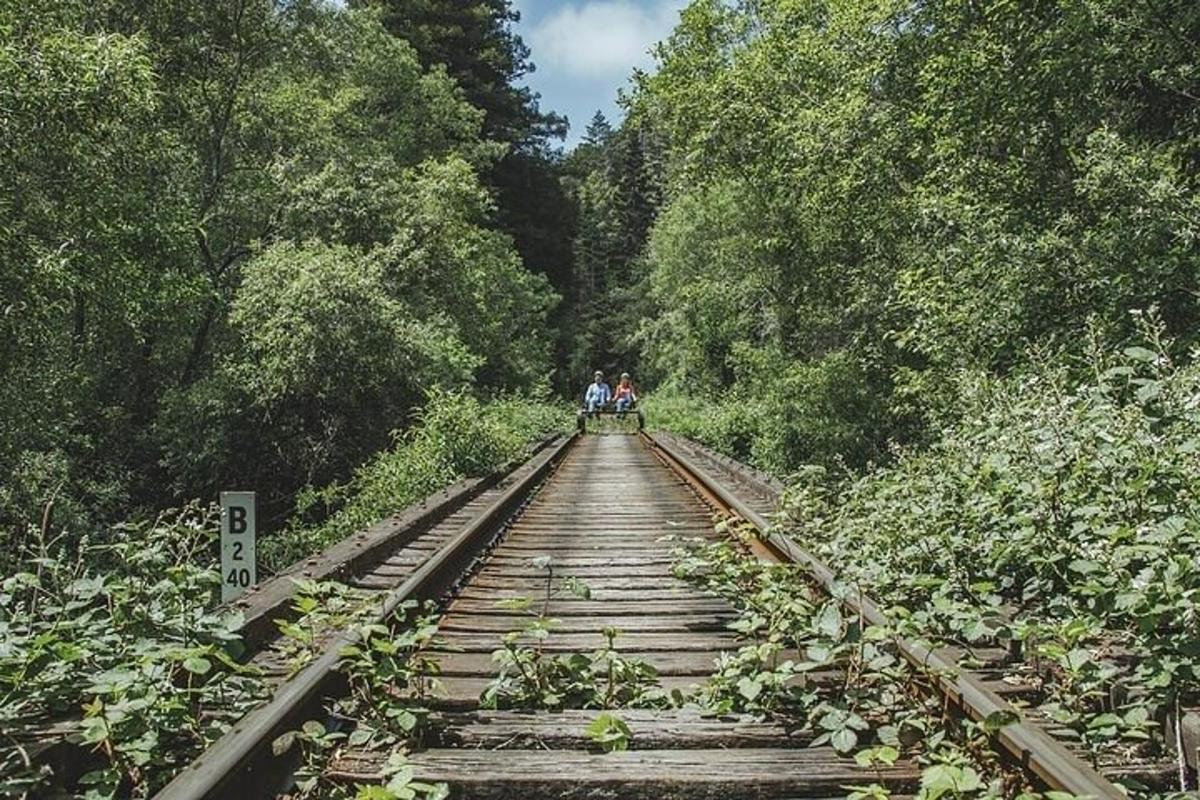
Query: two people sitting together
[{"x": 599, "y": 395}]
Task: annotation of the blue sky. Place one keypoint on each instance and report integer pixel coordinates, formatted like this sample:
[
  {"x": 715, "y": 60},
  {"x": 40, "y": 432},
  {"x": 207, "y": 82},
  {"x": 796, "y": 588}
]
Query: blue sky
[{"x": 586, "y": 49}]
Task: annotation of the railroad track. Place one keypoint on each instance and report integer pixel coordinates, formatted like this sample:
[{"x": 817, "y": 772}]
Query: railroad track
[
  {"x": 606, "y": 513},
  {"x": 372, "y": 562}
]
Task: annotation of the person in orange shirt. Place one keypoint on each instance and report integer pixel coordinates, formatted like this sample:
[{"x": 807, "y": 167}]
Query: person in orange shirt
[{"x": 624, "y": 395}]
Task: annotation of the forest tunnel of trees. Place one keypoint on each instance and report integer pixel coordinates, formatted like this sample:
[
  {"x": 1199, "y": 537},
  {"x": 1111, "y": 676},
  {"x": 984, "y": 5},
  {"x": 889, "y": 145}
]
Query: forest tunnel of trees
[
  {"x": 890, "y": 251},
  {"x": 244, "y": 240}
]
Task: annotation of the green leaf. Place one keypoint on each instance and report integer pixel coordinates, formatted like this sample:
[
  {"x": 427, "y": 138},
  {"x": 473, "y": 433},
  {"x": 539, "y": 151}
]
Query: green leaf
[
  {"x": 578, "y": 588},
  {"x": 1141, "y": 354},
  {"x": 1085, "y": 566},
  {"x": 940, "y": 779},
  {"x": 997, "y": 720},
  {"x": 882, "y": 755},
  {"x": 1104, "y": 721},
  {"x": 197, "y": 665},
  {"x": 829, "y": 623},
  {"x": 819, "y": 654},
  {"x": 405, "y": 719},
  {"x": 843, "y": 740},
  {"x": 283, "y": 743},
  {"x": 514, "y": 603},
  {"x": 749, "y": 688},
  {"x": 1138, "y": 715},
  {"x": 363, "y": 792}
]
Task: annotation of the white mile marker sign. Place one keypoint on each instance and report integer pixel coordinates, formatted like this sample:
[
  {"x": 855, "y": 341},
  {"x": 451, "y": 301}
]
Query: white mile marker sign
[{"x": 238, "y": 566}]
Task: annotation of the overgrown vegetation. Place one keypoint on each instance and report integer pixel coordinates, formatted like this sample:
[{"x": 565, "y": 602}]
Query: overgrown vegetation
[
  {"x": 113, "y": 638},
  {"x": 904, "y": 255},
  {"x": 114, "y": 641},
  {"x": 390, "y": 679},
  {"x": 454, "y": 436},
  {"x": 1056, "y": 515},
  {"x": 529, "y": 676},
  {"x": 240, "y": 241},
  {"x": 836, "y": 681},
  {"x": 817, "y": 213},
  {"x": 242, "y": 244}
]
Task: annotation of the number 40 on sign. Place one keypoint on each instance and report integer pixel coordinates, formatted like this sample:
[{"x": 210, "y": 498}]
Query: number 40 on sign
[{"x": 238, "y": 571}]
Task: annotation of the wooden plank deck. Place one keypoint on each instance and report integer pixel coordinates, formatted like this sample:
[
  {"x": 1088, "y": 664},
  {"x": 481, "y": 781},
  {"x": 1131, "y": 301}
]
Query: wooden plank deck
[{"x": 610, "y": 517}]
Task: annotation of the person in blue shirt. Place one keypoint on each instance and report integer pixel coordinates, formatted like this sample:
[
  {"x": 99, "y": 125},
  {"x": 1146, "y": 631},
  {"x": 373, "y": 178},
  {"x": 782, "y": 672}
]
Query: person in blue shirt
[{"x": 598, "y": 394}]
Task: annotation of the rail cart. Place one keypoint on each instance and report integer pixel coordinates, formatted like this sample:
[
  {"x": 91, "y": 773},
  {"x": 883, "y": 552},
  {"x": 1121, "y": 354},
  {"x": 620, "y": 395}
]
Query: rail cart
[{"x": 610, "y": 410}]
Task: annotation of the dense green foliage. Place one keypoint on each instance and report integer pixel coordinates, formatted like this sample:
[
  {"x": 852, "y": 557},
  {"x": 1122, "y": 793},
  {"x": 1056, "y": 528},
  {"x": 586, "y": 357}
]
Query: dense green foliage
[
  {"x": 238, "y": 242},
  {"x": 121, "y": 629},
  {"x": 121, "y": 625},
  {"x": 1058, "y": 516},
  {"x": 879, "y": 711},
  {"x": 455, "y": 437},
  {"x": 243, "y": 244},
  {"x": 613, "y": 179},
  {"x": 475, "y": 42},
  {"x": 862, "y": 198}
]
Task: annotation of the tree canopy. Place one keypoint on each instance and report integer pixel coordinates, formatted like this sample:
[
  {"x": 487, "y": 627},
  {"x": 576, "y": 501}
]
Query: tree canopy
[
  {"x": 872, "y": 198},
  {"x": 240, "y": 241}
]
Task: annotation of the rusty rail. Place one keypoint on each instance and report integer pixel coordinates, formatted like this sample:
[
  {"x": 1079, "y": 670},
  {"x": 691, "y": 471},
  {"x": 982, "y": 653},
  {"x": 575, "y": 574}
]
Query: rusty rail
[
  {"x": 244, "y": 753},
  {"x": 1031, "y": 746}
]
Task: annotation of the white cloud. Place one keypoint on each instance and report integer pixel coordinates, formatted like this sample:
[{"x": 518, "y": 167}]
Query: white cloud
[{"x": 601, "y": 38}]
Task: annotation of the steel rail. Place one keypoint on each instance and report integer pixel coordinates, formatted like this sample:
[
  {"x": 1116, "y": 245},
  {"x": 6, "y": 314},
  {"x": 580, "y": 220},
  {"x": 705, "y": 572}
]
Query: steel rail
[
  {"x": 235, "y": 754},
  {"x": 1031, "y": 746},
  {"x": 263, "y": 605},
  {"x": 271, "y": 600}
]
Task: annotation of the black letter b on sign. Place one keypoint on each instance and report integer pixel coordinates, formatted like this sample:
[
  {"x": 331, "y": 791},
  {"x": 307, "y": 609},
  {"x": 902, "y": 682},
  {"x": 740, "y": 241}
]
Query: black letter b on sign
[{"x": 237, "y": 519}]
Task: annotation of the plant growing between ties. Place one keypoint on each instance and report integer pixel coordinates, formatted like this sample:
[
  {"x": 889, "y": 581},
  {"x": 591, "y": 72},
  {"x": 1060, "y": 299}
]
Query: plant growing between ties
[
  {"x": 841, "y": 682},
  {"x": 320, "y": 609},
  {"x": 529, "y": 677},
  {"x": 391, "y": 679},
  {"x": 609, "y": 732}
]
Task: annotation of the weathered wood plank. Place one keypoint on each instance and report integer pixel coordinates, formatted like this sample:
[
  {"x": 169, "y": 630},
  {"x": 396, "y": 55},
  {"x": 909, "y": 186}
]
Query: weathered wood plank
[
  {"x": 581, "y": 642},
  {"x": 652, "y": 730},
  {"x": 570, "y": 534},
  {"x": 526, "y": 570},
  {"x": 698, "y": 664},
  {"x": 626, "y": 623},
  {"x": 463, "y": 692},
  {"x": 568, "y": 562},
  {"x": 653, "y": 592},
  {"x": 623, "y": 583},
  {"x": 698, "y": 774},
  {"x": 571, "y": 606}
]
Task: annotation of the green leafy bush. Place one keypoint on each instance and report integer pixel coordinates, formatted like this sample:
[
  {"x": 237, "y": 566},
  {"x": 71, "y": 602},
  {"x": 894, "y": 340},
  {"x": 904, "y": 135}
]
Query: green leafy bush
[
  {"x": 917, "y": 201},
  {"x": 455, "y": 436},
  {"x": 119, "y": 628},
  {"x": 1059, "y": 517},
  {"x": 780, "y": 413}
]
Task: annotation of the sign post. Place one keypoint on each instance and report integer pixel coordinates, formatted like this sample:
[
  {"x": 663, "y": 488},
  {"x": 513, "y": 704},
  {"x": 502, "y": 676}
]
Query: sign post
[{"x": 238, "y": 565}]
